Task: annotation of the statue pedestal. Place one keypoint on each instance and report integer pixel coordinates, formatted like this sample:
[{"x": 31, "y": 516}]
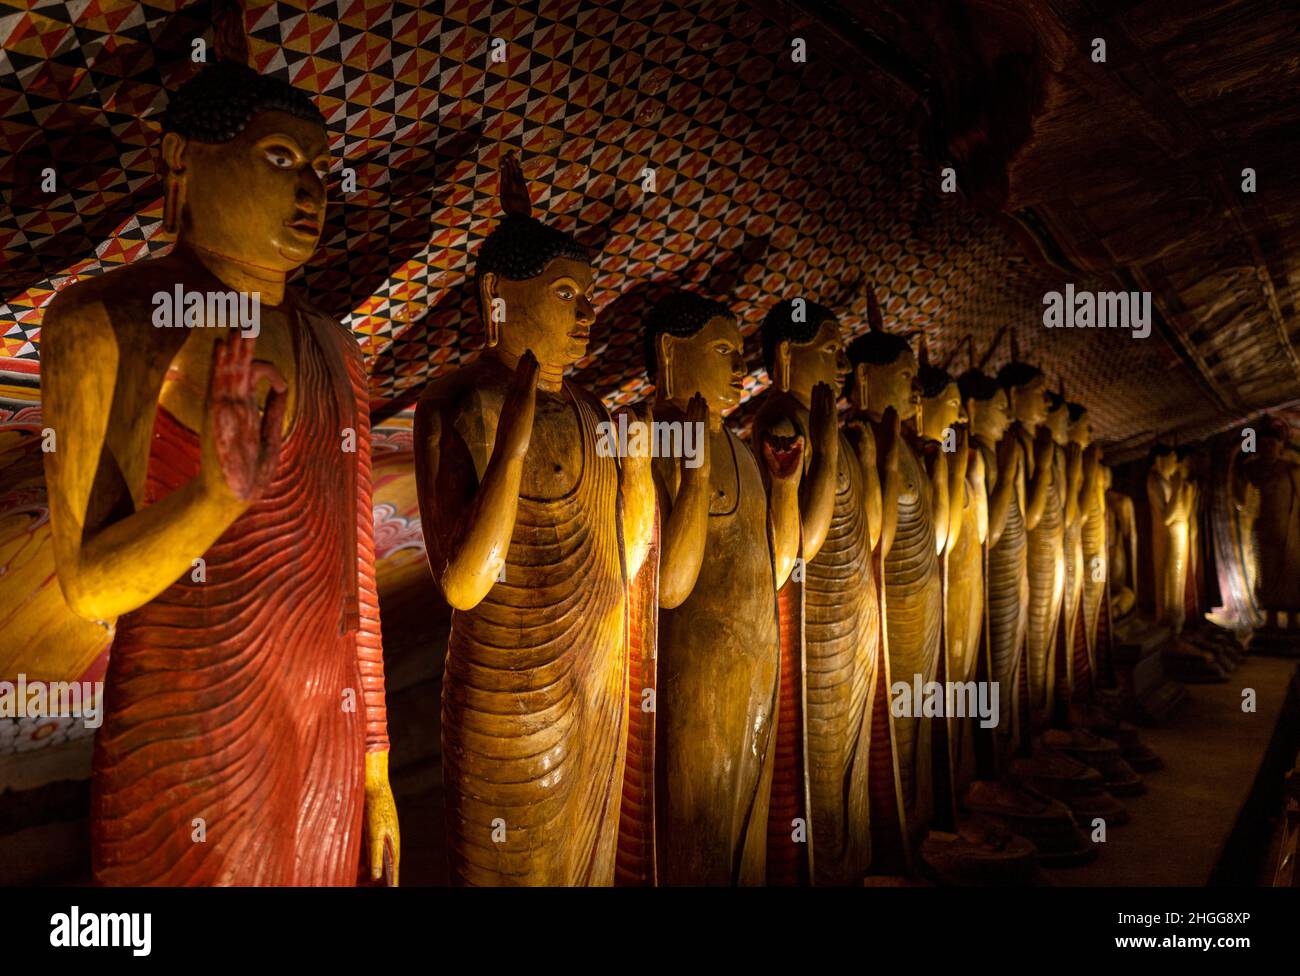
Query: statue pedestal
[{"x": 1146, "y": 693}]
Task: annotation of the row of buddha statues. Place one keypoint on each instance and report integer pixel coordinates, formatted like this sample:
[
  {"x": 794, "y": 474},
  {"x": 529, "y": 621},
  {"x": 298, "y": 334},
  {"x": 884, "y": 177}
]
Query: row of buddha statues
[{"x": 660, "y": 668}]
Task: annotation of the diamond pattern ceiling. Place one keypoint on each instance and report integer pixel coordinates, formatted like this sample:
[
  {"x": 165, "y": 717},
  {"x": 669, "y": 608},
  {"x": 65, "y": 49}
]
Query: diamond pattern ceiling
[{"x": 772, "y": 178}]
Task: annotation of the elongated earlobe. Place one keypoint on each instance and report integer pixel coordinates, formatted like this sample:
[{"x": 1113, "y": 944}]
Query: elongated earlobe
[
  {"x": 665, "y": 381},
  {"x": 491, "y": 328},
  {"x": 860, "y": 387},
  {"x": 173, "y": 204},
  {"x": 174, "y": 184},
  {"x": 783, "y": 365}
]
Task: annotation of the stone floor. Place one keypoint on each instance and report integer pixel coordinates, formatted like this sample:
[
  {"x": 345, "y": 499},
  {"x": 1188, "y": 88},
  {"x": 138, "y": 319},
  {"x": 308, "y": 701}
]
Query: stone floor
[{"x": 1201, "y": 821}]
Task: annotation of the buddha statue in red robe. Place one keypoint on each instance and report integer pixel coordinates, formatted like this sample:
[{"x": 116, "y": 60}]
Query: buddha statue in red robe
[
  {"x": 830, "y": 614},
  {"x": 211, "y": 485}
]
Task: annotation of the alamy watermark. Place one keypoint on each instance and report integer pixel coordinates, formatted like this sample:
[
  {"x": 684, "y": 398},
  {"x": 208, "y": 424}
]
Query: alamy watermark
[
  {"x": 946, "y": 699},
  {"x": 182, "y": 309},
  {"x": 658, "y": 438},
  {"x": 53, "y": 699},
  {"x": 1098, "y": 310}
]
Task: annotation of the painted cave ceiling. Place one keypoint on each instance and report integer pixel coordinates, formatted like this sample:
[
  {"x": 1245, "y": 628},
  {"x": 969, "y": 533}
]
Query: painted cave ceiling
[{"x": 773, "y": 178}]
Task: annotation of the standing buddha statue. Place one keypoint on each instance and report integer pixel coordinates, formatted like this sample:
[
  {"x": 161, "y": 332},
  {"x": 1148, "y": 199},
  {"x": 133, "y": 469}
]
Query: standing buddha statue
[
  {"x": 830, "y": 615},
  {"x": 211, "y": 485},
  {"x": 1042, "y": 431},
  {"x": 997, "y": 460},
  {"x": 884, "y": 364},
  {"x": 725, "y": 550},
  {"x": 1045, "y": 561},
  {"x": 958, "y": 538},
  {"x": 1092, "y": 515},
  {"x": 533, "y": 532}
]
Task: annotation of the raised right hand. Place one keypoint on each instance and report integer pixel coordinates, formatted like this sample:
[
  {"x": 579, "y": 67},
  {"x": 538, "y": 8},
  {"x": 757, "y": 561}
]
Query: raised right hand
[
  {"x": 240, "y": 442},
  {"x": 697, "y": 413},
  {"x": 1009, "y": 454},
  {"x": 515, "y": 425},
  {"x": 1043, "y": 445},
  {"x": 891, "y": 427},
  {"x": 823, "y": 423}
]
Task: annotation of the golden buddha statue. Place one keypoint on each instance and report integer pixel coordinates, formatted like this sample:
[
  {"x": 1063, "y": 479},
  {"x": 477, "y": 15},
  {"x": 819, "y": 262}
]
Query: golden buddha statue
[
  {"x": 1044, "y": 514},
  {"x": 533, "y": 531},
  {"x": 1170, "y": 498},
  {"x": 1042, "y": 432},
  {"x": 1173, "y": 498},
  {"x": 211, "y": 485},
  {"x": 948, "y": 454},
  {"x": 997, "y": 487},
  {"x": 1092, "y": 515},
  {"x": 830, "y": 613},
  {"x": 912, "y": 606},
  {"x": 724, "y": 551},
  {"x": 1121, "y": 549},
  {"x": 1094, "y": 668},
  {"x": 1076, "y": 667}
]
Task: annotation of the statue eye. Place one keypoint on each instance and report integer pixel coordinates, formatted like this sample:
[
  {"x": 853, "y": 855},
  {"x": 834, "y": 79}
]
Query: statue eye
[
  {"x": 566, "y": 292},
  {"x": 279, "y": 158}
]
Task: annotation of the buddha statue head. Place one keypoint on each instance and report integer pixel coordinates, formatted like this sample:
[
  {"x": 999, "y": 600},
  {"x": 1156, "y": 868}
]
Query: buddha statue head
[
  {"x": 883, "y": 374},
  {"x": 693, "y": 345},
  {"x": 246, "y": 160},
  {"x": 1080, "y": 426},
  {"x": 986, "y": 405},
  {"x": 1058, "y": 418},
  {"x": 1165, "y": 460},
  {"x": 1189, "y": 461},
  {"x": 534, "y": 286},
  {"x": 803, "y": 346},
  {"x": 1026, "y": 388},
  {"x": 941, "y": 405}
]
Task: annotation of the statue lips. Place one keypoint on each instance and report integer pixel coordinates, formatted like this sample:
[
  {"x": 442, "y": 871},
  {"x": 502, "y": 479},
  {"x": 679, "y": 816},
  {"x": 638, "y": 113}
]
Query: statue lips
[
  {"x": 782, "y": 454},
  {"x": 304, "y": 225}
]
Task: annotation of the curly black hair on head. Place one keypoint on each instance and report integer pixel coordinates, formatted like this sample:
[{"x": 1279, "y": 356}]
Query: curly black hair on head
[
  {"x": 779, "y": 326},
  {"x": 975, "y": 384},
  {"x": 1159, "y": 450},
  {"x": 681, "y": 314},
  {"x": 933, "y": 379},
  {"x": 217, "y": 104},
  {"x": 1017, "y": 374},
  {"x": 520, "y": 248},
  {"x": 874, "y": 348},
  {"x": 1055, "y": 401},
  {"x": 1077, "y": 410},
  {"x": 877, "y": 348}
]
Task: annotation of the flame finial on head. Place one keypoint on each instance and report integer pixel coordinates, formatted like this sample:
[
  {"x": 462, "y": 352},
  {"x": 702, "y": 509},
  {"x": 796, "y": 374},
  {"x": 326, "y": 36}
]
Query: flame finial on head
[
  {"x": 512, "y": 190},
  {"x": 875, "y": 321}
]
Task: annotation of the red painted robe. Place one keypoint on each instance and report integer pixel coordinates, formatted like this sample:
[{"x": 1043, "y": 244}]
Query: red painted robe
[{"x": 228, "y": 754}]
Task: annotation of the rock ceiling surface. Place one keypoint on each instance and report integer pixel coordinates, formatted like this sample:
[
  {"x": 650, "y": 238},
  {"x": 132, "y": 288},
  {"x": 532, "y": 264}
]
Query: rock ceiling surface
[{"x": 773, "y": 178}]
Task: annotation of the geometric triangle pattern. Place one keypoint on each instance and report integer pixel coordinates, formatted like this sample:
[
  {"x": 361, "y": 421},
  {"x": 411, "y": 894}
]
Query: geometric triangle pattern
[{"x": 678, "y": 140}]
